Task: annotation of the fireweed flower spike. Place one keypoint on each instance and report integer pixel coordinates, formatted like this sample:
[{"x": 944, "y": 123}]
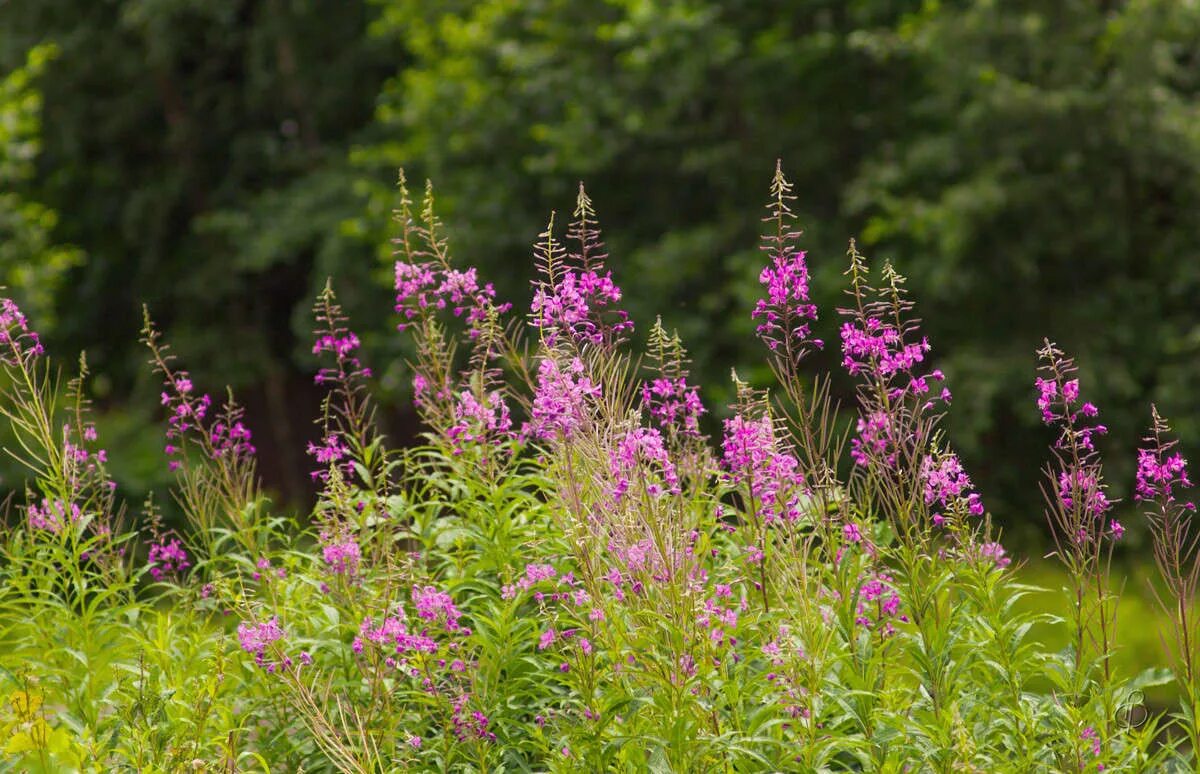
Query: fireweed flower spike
[
  {"x": 168, "y": 559},
  {"x": 755, "y": 457},
  {"x": 426, "y": 284},
  {"x": 882, "y": 345},
  {"x": 1079, "y": 487},
  {"x": 576, "y": 297},
  {"x": 1163, "y": 489},
  {"x": 1077, "y": 510},
  {"x": 562, "y": 400},
  {"x": 18, "y": 342},
  {"x": 671, "y": 403},
  {"x": 786, "y": 314}
]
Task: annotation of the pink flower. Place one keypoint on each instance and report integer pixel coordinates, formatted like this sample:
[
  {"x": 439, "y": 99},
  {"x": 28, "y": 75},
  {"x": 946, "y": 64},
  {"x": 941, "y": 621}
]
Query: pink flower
[
  {"x": 641, "y": 455},
  {"x": 167, "y": 559},
  {"x": 786, "y": 312},
  {"x": 562, "y": 402}
]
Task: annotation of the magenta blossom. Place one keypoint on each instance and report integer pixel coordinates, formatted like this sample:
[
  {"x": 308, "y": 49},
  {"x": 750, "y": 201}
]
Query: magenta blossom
[
  {"x": 478, "y": 421},
  {"x": 574, "y": 305},
  {"x": 18, "y": 343},
  {"x": 947, "y": 485},
  {"x": 1158, "y": 475},
  {"x": 256, "y": 638},
  {"x": 424, "y": 289},
  {"x": 786, "y": 312},
  {"x": 561, "y": 404},
  {"x": 753, "y": 455},
  {"x": 167, "y": 559},
  {"x": 641, "y": 454},
  {"x": 672, "y": 403}
]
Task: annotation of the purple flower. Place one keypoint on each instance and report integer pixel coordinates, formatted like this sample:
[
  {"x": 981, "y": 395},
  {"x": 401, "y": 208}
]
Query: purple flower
[
  {"x": 168, "y": 559},
  {"x": 256, "y": 638},
  {"x": 329, "y": 452},
  {"x": 995, "y": 553},
  {"x": 476, "y": 421},
  {"x": 18, "y": 344},
  {"x": 52, "y": 516},
  {"x": 947, "y": 485},
  {"x": 561, "y": 404},
  {"x": 1159, "y": 474},
  {"x": 232, "y": 439},
  {"x": 753, "y": 455},
  {"x": 342, "y": 556},
  {"x": 1084, "y": 488},
  {"x": 629, "y": 459},
  {"x": 786, "y": 312},
  {"x": 435, "y": 605},
  {"x": 672, "y": 403},
  {"x": 879, "y": 605},
  {"x": 423, "y": 289},
  {"x": 574, "y": 304}
]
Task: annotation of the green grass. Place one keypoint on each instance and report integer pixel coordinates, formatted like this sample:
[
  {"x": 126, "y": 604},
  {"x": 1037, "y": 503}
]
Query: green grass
[{"x": 1140, "y": 621}]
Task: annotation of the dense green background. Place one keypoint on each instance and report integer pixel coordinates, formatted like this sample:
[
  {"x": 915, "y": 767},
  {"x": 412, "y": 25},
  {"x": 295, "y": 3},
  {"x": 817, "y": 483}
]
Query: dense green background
[{"x": 1034, "y": 167}]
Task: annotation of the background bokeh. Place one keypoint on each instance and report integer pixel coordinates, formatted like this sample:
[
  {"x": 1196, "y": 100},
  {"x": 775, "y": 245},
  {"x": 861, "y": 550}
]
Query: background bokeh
[{"x": 1032, "y": 167}]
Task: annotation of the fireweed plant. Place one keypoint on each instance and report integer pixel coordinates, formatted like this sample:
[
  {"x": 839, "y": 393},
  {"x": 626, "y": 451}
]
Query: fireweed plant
[{"x": 568, "y": 574}]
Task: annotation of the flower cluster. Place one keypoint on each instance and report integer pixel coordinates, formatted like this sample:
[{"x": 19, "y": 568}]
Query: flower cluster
[
  {"x": 329, "y": 452},
  {"x": 342, "y": 555},
  {"x": 1058, "y": 400},
  {"x": 472, "y": 724},
  {"x": 257, "y": 638},
  {"x": 870, "y": 344},
  {"x": 947, "y": 486},
  {"x": 231, "y": 438},
  {"x": 477, "y": 421},
  {"x": 52, "y": 516},
  {"x": 786, "y": 313},
  {"x": 1078, "y": 479},
  {"x": 342, "y": 343},
  {"x": 1158, "y": 475},
  {"x": 425, "y": 288},
  {"x": 641, "y": 454},
  {"x": 561, "y": 402},
  {"x": 719, "y": 616},
  {"x": 876, "y": 440},
  {"x": 394, "y": 635},
  {"x": 18, "y": 343},
  {"x": 879, "y": 605},
  {"x": 673, "y": 404},
  {"x": 185, "y": 412},
  {"x": 1091, "y": 736},
  {"x": 168, "y": 559},
  {"x": 573, "y": 306},
  {"x": 437, "y": 606},
  {"x": 991, "y": 552},
  {"x": 535, "y": 573},
  {"x": 754, "y": 456}
]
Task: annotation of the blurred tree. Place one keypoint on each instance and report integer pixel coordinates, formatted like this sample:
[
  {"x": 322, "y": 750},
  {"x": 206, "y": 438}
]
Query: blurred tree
[
  {"x": 31, "y": 265},
  {"x": 1051, "y": 188},
  {"x": 197, "y": 150}
]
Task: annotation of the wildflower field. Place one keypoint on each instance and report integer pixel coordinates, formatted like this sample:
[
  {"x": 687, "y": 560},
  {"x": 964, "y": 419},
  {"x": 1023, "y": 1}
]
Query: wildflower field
[{"x": 569, "y": 575}]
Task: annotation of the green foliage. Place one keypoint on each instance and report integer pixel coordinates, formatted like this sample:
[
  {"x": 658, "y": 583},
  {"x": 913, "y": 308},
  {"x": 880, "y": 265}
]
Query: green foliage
[
  {"x": 30, "y": 262},
  {"x": 594, "y": 592}
]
